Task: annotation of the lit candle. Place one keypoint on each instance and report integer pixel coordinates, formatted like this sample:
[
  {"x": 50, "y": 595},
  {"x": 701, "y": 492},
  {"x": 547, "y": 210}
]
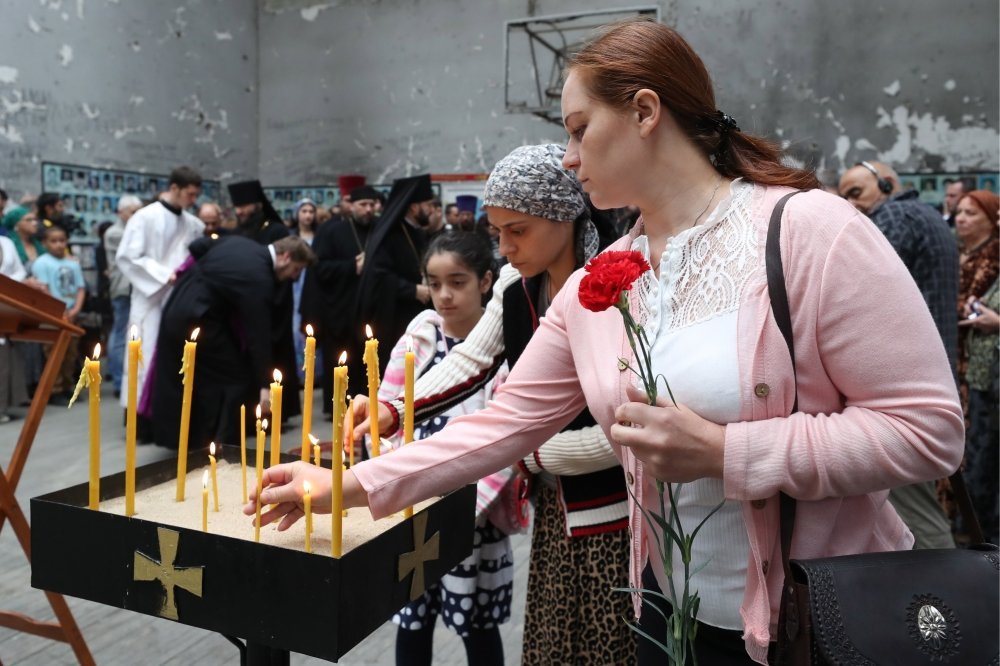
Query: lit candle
[
  {"x": 187, "y": 369},
  {"x": 260, "y": 470},
  {"x": 307, "y": 391},
  {"x": 407, "y": 403},
  {"x": 307, "y": 505},
  {"x": 215, "y": 485},
  {"x": 317, "y": 458},
  {"x": 337, "y": 455},
  {"x": 134, "y": 358},
  {"x": 276, "y": 419},
  {"x": 243, "y": 449},
  {"x": 90, "y": 377},
  {"x": 204, "y": 501},
  {"x": 371, "y": 363}
]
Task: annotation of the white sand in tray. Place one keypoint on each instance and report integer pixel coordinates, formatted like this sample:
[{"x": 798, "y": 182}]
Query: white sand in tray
[{"x": 158, "y": 504}]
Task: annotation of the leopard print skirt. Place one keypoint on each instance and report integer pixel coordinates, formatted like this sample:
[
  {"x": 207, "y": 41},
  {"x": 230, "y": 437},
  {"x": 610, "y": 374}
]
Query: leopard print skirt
[{"x": 572, "y": 614}]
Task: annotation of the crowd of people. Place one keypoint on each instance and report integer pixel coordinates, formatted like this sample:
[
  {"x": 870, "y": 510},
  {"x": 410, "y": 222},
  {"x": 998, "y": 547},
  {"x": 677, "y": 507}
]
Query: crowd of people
[{"x": 524, "y": 391}]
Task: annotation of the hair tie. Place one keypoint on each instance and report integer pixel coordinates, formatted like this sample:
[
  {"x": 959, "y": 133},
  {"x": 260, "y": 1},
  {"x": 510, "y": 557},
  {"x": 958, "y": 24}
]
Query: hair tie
[{"x": 725, "y": 122}]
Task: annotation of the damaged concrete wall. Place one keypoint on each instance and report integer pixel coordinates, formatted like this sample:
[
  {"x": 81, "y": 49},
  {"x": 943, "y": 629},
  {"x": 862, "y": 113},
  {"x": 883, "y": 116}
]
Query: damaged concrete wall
[
  {"x": 391, "y": 87},
  {"x": 134, "y": 84}
]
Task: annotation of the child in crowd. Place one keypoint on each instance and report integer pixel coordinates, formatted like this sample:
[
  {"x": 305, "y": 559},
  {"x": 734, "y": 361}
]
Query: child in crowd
[
  {"x": 474, "y": 598},
  {"x": 64, "y": 279}
]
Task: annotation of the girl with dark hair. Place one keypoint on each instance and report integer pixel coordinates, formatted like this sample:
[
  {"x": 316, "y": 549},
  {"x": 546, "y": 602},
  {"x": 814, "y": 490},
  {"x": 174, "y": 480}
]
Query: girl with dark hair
[
  {"x": 877, "y": 403},
  {"x": 473, "y": 599}
]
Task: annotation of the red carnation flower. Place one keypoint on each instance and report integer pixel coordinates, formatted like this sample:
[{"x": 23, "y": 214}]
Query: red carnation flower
[{"x": 609, "y": 276}]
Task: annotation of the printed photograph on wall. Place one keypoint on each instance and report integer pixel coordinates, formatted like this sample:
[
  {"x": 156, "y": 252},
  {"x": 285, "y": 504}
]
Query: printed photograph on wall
[{"x": 91, "y": 194}]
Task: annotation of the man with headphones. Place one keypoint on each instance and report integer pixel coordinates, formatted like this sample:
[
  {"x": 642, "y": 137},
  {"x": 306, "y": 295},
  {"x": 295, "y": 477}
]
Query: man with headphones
[
  {"x": 868, "y": 184},
  {"x": 923, "y": 241}
]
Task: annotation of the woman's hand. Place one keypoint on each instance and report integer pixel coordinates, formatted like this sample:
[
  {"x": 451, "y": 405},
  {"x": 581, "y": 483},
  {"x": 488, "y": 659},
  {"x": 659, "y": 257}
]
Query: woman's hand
[
  {"x": 986, "y": 321},
  {"x": 361, "y": 418},
  {"x": 283, "y": 487},
  {"x": 674, "y": 444}
]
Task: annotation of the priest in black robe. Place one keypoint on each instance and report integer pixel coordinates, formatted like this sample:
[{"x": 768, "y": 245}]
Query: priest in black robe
[
  {"x": 329, "y": 294},
  {"x": 392, "y": 291},
  {"x": 258, "y": 221},
  {"x": 226, "y": 293}
]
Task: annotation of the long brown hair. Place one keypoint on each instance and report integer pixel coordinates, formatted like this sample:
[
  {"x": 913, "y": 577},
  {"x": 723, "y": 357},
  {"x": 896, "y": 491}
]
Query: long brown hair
[{"x": 640, "y": 53}]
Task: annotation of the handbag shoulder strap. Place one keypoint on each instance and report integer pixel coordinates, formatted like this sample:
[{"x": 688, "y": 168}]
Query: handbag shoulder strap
[{"x": 782, "y": 316}]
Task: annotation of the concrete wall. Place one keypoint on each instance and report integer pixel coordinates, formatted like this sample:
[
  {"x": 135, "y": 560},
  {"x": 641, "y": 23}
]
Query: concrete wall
[
  {"x": 391, "y": 87},
  {"x": 136, "y": 84}
]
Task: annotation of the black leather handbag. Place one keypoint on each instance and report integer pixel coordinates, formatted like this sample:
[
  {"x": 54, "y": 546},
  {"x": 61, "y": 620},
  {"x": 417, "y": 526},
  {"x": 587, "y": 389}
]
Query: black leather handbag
[{"x": 905, "y": 607}]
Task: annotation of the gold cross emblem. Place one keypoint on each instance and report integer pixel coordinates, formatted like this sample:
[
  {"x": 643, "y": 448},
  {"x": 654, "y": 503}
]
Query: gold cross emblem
[
  {"x": 423, "y": 551},
  {"x": 188, "y": 578}
]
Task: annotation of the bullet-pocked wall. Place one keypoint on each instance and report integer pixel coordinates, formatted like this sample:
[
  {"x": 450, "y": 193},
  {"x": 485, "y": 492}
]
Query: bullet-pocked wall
[
  {"x": 390, "y": 87},
  {"x": 135, "y": 84}
]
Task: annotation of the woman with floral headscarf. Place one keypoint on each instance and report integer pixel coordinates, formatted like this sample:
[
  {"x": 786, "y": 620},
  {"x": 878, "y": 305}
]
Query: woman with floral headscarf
[{"x": 579, "y": 539}]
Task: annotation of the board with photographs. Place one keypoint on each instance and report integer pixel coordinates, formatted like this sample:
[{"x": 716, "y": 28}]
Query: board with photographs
[
  {"x": 91, "y": 194},
  {"x": 284, "y": 197},
  {"x": 932, "y": 186}
]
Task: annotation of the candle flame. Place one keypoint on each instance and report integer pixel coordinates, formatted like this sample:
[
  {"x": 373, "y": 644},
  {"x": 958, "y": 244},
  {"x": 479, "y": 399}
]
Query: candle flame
[
  {"x": 306, "y": 487},
  {"x": 313, "y": 440},
  {"x": 211, "y": 449},
  {"x": 258, "y": 412},
  {"x": 343, "y": 357},
  {"x": 133, "y": 333},
  {"x": 194, "y": 334},
  {"x": 97, "y": 351},
  {"x": 277, "y": 375},
  {"x": 409, "y": 343},
  {"x": 368, "y": 331},
  {"x": 204, "y": 479},
  {"x": 309, "y": 330},
  {"x": 263, "y": 424}
]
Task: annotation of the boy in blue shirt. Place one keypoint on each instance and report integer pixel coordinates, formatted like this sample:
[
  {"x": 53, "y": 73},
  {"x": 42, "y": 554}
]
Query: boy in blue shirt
[{"x": 64, "y": 279}]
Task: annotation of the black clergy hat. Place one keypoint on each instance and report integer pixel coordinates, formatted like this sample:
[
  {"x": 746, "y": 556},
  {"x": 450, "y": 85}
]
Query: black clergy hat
[
  {"x": 415, "y": 189},
  {"x": 246, "y": 192},
  {"x": 364, "y": 192}
]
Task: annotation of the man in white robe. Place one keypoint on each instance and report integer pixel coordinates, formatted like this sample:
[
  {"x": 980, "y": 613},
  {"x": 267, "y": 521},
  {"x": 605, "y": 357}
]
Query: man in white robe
[{"x": 154, "y": 245}]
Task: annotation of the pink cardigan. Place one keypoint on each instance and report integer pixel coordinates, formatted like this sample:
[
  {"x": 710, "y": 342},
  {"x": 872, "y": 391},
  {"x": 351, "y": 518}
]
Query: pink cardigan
[{"x": 878, "y": 404}]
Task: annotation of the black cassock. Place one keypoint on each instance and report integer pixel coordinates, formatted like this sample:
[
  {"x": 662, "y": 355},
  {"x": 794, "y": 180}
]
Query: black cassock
[
  {"x": 265, "y": 228},
  {"x": 329, "y": 299},
  {"x": 228, "y": 293},
  {"x": 388, "y": 290}
]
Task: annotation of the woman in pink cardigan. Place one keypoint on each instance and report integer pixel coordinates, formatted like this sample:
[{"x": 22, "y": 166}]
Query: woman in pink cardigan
[{"x": 878, "y": 406}]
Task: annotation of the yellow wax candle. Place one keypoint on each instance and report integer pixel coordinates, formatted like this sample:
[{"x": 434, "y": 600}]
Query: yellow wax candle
[
  {"x": 260, "y": 470},
  {"x": 243, "y": 449},
  {"x": 276, "y": 419},
  {"x": 371, "y": 363},
  {"x": 410, "y": 361},
  {"x": 337, "y": 454},
  {"x": 307, "y": 391},
  {"x": 317, "y": 458},
  {"x": 215, "y": 485},
  {"x": 307, "y": 506},
  {"x": 134, "y": 358},
  {"x": 187, "y": 369},
  {"x": 90, "y": 377},
  {"x": 204, "y": 502}
]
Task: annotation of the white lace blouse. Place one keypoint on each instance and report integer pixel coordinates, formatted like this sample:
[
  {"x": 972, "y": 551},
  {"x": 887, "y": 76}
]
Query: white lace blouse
[{"x": 691, "y": 321}]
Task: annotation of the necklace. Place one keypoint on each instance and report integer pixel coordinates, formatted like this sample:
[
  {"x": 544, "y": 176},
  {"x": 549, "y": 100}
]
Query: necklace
[{"x": 708, "y": 203}]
